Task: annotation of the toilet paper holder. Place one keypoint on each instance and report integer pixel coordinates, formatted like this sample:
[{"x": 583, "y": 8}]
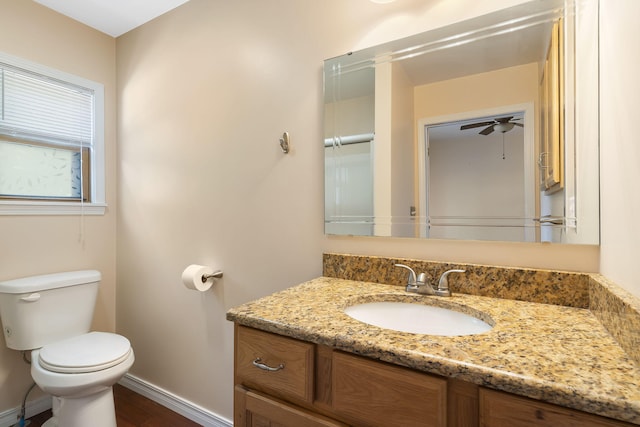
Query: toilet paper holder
[{"x": 214, "y": 275}]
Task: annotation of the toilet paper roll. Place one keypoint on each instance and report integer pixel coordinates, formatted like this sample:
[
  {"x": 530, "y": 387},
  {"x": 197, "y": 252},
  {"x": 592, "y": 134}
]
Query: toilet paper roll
[{"x": 192, "y": 277}]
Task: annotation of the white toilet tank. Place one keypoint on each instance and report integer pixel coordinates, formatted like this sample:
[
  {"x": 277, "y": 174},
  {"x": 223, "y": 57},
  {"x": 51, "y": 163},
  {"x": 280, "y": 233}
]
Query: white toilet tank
[{"x": 39, "y": 310}]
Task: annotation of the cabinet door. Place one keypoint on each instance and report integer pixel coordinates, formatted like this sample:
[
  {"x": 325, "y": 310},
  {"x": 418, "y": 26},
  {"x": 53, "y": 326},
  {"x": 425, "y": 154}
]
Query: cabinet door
[
  {"x": 253, "y": 409},
  {"x": 381, "y": 395},
  {"x": 462, "y": 404},
  {"x": 498, "y": 409}
]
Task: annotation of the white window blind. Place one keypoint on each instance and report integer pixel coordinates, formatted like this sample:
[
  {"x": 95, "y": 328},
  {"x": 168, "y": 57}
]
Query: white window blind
[{"x": 38, "y": 108}]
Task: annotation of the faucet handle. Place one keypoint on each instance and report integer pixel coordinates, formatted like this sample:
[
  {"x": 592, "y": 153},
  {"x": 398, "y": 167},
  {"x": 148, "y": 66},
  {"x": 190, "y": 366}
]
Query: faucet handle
[
  {"x": 422, "y": 279},
  {"x": 443, "y": 283},
  {"x": 411, "y": 281},
  {"x": 416, "y": 283}
]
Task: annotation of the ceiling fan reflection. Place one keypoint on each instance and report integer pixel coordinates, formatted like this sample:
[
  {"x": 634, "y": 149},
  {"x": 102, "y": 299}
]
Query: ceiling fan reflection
[{"x": 502, "y": 124}]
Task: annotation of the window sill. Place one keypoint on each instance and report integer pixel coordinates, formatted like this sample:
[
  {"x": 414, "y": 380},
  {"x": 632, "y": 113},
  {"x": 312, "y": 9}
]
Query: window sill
[{"x": 10, "y": 207}]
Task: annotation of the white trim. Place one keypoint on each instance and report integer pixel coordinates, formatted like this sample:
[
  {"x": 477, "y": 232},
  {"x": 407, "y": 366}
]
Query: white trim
[
  {"x": 35, "y": 67},
  {"x": 9, "y": 417},
  {"x": 169, "y": 400},
  {"x": 98, "y": 177},
  {"x": 529, "y": 156},
  {"x": 177, "y": 404},
  {"x": 28, "y": 207}
]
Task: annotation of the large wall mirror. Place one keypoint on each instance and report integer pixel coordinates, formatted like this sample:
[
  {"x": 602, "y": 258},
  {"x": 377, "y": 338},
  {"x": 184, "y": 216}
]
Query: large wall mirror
[{"x": 486, "y": 129}]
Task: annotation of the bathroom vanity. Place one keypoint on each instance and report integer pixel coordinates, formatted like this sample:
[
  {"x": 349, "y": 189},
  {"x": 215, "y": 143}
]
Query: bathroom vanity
[
  {"x": 301, "y": 361},
  {"x": 321, "y": 386}
]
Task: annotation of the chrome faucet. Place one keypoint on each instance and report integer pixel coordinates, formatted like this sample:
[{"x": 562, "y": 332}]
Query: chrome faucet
[{"x": 418, "y": 283}]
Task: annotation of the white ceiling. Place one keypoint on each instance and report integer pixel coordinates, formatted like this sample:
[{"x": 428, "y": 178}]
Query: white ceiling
[{"x": 113, "y": 17}]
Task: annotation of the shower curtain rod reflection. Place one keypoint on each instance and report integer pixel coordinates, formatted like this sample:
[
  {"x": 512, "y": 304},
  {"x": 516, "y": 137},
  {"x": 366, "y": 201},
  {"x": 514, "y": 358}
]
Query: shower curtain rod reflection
[{"x": 337, "y": 141}]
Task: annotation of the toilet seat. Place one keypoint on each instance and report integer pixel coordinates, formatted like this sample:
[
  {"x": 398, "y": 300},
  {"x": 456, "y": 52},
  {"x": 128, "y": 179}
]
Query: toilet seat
[{"x": 90, "y": 352}]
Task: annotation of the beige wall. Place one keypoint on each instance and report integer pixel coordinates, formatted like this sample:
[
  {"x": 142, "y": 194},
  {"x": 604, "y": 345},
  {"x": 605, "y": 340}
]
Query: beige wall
[
  {"x": 619, "y": 148},
  {"x": 402, "y": 158},
  {"x": 205, "y": 92},
  {"x": 507, "y": 86},
  {"x": 45, "y": 244}
]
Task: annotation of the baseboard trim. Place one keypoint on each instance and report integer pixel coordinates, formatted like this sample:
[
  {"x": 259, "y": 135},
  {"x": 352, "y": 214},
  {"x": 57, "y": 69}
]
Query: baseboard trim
[
  {"x": 169, "y": 400},
  {"x": 9, "y": 417}
]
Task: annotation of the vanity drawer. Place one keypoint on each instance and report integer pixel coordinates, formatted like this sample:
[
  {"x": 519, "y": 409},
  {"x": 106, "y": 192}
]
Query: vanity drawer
[
  {"x": 372, "y": 393},
  {"x": 273, "y": 363},
  {"x": 254, "y": 409},
  {"x": 498, "y": 409}
]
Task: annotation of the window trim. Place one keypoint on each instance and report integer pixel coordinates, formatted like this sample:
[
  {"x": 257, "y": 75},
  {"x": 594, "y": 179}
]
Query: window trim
[{"x": 98, "y": 205}]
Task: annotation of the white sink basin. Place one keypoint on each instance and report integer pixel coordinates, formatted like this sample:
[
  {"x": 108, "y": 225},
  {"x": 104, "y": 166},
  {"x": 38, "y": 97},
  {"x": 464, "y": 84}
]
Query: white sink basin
[{"x": 417, "y": 318}]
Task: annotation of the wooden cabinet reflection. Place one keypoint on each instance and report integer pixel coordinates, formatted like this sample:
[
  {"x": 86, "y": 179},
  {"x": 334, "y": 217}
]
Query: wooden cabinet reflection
[{"x": 551, "y": 157}]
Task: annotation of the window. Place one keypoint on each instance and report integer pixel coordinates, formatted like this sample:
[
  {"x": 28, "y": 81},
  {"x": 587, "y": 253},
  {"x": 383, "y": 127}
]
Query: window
[{"x": 51, "y": 141}]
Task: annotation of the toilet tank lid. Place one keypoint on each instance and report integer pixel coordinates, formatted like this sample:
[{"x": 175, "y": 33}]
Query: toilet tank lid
[{"x": 49, "y": 281}]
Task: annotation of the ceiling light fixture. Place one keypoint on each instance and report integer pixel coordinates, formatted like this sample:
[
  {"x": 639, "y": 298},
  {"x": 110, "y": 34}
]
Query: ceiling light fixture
[{"x": 503, "y": 127}]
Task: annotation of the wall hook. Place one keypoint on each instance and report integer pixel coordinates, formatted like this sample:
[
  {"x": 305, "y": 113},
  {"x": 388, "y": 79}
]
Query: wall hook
[{"x": 284, "y": 142}]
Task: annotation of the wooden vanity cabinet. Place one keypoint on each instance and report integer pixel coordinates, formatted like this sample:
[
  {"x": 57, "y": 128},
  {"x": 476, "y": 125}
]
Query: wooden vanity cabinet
[
  {"x": 301, "y": 384},
  {"x": 284, "y": 382},
  {"x": 499, "y": 409}
]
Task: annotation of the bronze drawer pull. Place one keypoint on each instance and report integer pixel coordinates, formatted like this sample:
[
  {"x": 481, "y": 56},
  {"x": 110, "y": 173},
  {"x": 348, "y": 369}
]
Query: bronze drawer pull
[{"x": 258, "y": 364}]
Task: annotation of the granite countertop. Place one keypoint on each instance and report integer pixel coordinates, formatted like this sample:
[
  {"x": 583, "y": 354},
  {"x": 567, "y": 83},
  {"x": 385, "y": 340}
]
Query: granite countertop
[{"x": 557, "y": 354}]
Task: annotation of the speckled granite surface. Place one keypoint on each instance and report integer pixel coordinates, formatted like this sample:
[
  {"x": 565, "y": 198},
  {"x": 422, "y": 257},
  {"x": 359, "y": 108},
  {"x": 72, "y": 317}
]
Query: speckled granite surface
[
  {"x": 542, "y": 286},
  {"x": 555, "y": 353},
  {"x": 618, "y": 311}
]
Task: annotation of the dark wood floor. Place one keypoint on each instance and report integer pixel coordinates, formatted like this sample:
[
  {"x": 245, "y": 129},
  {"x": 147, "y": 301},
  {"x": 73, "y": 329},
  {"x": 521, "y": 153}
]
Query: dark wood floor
[{"x": 134, "y": 410}]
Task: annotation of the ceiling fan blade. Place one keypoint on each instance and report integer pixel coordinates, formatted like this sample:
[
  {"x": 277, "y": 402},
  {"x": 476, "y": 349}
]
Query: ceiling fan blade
[
  {"x": 518, "y": 124},
  {"x": 504, "y": 119},
  {"x": 475, "y": 125},
  {"x": 487, "y": 131}
]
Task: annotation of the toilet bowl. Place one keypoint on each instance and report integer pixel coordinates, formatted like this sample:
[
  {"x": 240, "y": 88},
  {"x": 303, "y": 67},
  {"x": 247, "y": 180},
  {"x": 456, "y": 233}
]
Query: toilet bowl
[
  {"x": 79, "y": 373},
  {"x": 51, "y": 315}
]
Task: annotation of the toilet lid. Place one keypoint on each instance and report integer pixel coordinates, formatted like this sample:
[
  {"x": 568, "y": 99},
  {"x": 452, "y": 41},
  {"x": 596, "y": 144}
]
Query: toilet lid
[{"x": 85, "y": 353}]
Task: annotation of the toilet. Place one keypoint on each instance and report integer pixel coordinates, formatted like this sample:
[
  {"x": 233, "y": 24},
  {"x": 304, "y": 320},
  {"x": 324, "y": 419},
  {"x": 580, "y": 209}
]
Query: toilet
[{"x": 50, "y": 315}]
